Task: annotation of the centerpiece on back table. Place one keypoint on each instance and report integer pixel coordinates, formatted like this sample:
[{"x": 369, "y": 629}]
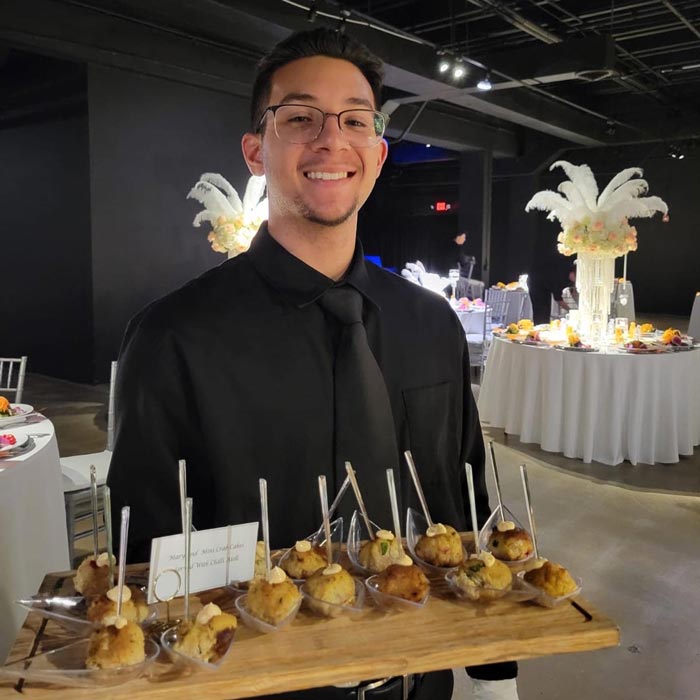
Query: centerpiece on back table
[
  {"x": 596, "y": 229},
  {"x": 234, "y": 223}
]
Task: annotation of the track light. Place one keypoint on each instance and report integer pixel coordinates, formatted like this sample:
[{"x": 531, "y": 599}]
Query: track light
[
  {"x": 485, "y": 83},
  {"x": 675, "y": 152},
  {"x": 313, "y": 13},
  {"x": 444, "y": 65},
  {"x": 459, "y": 71}
]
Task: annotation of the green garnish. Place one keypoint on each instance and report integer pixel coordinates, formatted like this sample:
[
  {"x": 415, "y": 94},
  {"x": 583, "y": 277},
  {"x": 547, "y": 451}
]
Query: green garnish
[{"x": 384, "y": 547}]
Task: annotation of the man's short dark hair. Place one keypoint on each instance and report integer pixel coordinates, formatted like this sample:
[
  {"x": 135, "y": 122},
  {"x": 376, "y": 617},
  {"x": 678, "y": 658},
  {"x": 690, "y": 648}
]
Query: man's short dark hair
[{"x": 314, "y": 42}]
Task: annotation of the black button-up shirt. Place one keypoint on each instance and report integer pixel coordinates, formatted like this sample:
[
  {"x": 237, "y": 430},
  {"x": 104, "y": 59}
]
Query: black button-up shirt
[{"x": 234, "y": 373}]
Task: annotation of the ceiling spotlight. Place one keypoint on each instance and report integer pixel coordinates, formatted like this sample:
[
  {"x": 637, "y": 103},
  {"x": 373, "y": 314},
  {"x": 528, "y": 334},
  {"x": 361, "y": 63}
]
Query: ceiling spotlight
[
  {"x": 459, "y": 71},
  {"x": 428, "y": 145},
  {"x": 444, "y": 65},
  {"x": 675, "y": 152},
  {"x": 313, "y": 13},
  {"x": 485, "y": 83}
]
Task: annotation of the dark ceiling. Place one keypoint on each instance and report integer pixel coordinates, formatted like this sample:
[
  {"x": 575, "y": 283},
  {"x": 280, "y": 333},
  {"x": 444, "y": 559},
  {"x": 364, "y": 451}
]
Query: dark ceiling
[{"x": 565, "y": 74}]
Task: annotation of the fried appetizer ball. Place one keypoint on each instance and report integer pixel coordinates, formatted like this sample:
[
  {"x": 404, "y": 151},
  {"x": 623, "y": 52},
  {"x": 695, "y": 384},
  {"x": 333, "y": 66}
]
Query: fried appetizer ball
[
  {"x": 510, "y": 543},
  {"x": 302, "y": 560},
  {"x": 134, "y": 607},
  {"x": 210, "y": 637},
  {"x": 401, "y": 581},
  {"x": 120, "y": 643},
  {"x": 552, "y": 578},
  {"x": 272, "y": 600},
  {"x": 483, "y": 577},
  {"x": 441, "y": 546},
  {"x": 375, "y": 555},
  {"x": 333, "y": 585},
  {"x": 92, "y": 577}
]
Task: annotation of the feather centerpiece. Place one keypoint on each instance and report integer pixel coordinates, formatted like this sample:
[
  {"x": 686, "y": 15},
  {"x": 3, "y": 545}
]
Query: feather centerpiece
[
  {"x": 234, "y": 222},
  {"x": 593, "y": 223}
]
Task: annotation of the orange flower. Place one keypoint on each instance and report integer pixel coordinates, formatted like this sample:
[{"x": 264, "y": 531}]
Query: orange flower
[
  {"x": 525, "y": 324},
  {"x": 4, "y": 406}
]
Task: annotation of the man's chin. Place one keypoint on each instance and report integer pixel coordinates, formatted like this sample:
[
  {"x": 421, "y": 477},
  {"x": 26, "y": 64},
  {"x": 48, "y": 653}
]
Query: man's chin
[{"x": 329, "y": 220}]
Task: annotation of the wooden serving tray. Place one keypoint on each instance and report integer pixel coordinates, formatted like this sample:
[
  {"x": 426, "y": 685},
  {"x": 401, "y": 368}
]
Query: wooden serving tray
[{"x": 315, "y": 652}]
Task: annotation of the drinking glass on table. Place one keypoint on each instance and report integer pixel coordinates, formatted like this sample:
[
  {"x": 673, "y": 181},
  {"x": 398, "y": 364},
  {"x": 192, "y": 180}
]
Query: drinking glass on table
[{"x": 453, "y": 276}]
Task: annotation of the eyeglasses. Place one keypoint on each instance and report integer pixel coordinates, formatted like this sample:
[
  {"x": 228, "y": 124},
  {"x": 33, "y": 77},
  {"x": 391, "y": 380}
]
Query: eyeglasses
[{"x": 301, "y": 124}]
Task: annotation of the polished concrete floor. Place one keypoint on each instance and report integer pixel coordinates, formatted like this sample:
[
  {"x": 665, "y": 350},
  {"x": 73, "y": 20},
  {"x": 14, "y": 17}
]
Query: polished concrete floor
[{"x": 632, "y": 533}]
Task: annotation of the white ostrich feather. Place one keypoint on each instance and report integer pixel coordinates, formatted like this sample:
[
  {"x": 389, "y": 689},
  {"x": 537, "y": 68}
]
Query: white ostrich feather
[
  {"x": 223, "y": 184},
  {"x": 571, "y": 192},
  {"x": 253, "y": 192},
  {"x": 637, "y": 207},
  {"x": 583, "y": 179},
  {"x": 618, "y": 180},
  {"x": 204, "y": 215},
  {"x": 546, "y": 200},
  {"x": 629, "y": 190},
  {"x": 213, "y": 200}
]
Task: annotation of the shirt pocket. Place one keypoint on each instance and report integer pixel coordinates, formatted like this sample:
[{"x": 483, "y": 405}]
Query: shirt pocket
[{"x": 432, "y": 421}]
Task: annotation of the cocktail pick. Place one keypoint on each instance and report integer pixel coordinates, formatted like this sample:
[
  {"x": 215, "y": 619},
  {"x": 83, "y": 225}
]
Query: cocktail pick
[
  {"x": 264, "y": 514},
  {"x": 338, "y": 498},
  {"x": 472, "y": 505},
  {"x": 93, "y": 501},
  {"x": 360, "y": 500},
  {"x": 528, "y": 504},
  {"x": 496, "y": 479},
  {"x": 419, "y": 488},
  {"x": 107, "y": 496},
  {"x": 323, "y": 494},
  {"x": 394, "y": 508},
  {"x": 123, "y": 542},
  {"x": 187, "y": 532},
  {"x": 182, "y": 478}
]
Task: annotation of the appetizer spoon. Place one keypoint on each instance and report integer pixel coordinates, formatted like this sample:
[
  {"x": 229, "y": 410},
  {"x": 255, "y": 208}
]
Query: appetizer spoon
[
  {"x": 360, "y": 500},
  {"x": 265, "y": 525},
  {"x": 123, "y": 539},
  {"x": 93, "y": 500},
  {"x": 107, "y": 495},
  {"x": 419, "y": 488},
  {"x": 472, "y": 505},
  {"x": 496, "y": 479},
  {"x": 528, "y": 503},
  {"x": 187, "y": 532},
  {"x": 395, "y": 509},
  {"x": 323, "y": 493}
]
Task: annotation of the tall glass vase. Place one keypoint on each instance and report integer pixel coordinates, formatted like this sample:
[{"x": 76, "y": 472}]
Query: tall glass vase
[{"x": 595, "y": 279}]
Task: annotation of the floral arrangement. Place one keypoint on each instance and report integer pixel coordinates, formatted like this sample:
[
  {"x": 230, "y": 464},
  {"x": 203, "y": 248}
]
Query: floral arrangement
[
  {"x": 5, "y": 408},
  {"x": 234, "y": 222},
  {"x": 593, "y": 223}
]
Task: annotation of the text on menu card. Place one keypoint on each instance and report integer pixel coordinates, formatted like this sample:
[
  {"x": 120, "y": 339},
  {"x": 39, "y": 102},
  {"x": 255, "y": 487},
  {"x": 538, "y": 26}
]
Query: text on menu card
[{"x": 218, "y": 557}]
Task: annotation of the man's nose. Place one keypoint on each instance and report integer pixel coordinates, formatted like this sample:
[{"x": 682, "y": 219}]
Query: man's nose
[{"x": 331, "y": 135}]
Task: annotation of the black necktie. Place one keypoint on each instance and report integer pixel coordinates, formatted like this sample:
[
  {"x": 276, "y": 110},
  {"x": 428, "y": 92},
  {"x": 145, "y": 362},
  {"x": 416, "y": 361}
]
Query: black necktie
[{"x": 364, "y": 425}]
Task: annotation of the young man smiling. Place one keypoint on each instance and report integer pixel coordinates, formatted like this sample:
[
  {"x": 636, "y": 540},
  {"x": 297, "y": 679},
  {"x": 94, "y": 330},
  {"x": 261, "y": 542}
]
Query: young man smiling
[{"x": 235, "y": 372}]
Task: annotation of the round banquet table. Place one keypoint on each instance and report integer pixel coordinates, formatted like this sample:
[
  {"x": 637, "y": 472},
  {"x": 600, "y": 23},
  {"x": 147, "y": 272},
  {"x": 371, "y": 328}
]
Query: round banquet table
[
  {"x": 33, "y": 538},
  {"x": 603, "y": 407},
  {"x": 472, "y": 320}
]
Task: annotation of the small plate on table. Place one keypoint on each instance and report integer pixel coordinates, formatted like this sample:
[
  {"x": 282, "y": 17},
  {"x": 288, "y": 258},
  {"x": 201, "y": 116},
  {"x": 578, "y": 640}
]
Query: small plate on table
[
  {"x": 12, "y": 441},
  {"x": 581, "y": 348},
  {"x": 20, "y": 411}
]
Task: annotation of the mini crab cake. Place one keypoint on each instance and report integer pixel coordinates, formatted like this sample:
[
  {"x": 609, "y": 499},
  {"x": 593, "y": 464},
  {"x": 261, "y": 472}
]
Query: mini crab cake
[
  {"x": 92, "y": 577},
  {"x": 483, "y": 577},
  {"x": 441, "y": 546},
  {"x": 404, "y": 581},
  {"x": 510, "y": 543},
  {"x": 552, "y": 578},
  {"x": 303, "y": 559},
  {"x": 120, "y": 643},
  {"x": 272, "y": 600},
  {"x": 209, "y": 638},
  {"x": 333, "y": 585},
  {"x": 134, "y": 607},
  {"x": 375, "y": 555}
]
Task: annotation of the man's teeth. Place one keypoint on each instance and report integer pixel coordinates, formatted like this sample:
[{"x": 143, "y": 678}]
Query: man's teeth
[{"x": 326, "y": 176}]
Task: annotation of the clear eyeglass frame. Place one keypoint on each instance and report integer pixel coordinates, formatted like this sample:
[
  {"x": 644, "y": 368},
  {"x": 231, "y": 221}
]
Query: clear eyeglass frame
[{"x": 366, "y": 133}]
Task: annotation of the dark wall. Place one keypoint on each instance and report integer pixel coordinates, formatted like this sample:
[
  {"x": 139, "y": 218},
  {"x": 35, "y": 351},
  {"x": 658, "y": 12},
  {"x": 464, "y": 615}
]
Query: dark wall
[
  {"x": 45, "y": 234},
  {"x": 150, "y": 140}
]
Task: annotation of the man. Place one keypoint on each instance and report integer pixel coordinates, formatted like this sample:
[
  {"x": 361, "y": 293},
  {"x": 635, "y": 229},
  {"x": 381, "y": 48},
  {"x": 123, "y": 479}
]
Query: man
[
  {"x": 465, "y": 262},
  {"x": 237, "y": 372}
]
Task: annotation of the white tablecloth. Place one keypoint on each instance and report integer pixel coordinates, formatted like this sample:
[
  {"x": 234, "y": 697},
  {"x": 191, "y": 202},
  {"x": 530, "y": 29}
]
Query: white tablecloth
[
  {"x": 595, "y": 406},
  {"x": 472, "y": 321},
  {"x": 33, "y": 538}
]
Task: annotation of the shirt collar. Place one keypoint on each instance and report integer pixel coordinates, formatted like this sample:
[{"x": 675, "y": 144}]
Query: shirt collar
[{"x": 294, "y": 278}]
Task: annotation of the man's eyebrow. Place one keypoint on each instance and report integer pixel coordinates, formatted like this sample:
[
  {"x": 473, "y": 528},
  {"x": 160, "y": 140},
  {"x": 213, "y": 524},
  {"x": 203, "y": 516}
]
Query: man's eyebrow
[{"x": 296, "y": 97}]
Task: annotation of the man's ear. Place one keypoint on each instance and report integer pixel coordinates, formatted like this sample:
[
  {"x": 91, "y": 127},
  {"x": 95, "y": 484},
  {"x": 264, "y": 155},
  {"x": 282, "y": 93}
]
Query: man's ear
[
  {"x": 251, "y": 145},
  {"x": 382, "y": 154}
]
